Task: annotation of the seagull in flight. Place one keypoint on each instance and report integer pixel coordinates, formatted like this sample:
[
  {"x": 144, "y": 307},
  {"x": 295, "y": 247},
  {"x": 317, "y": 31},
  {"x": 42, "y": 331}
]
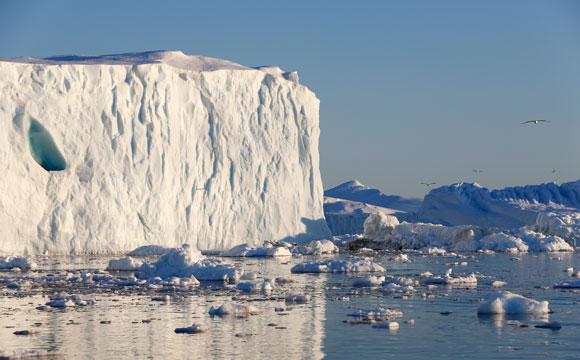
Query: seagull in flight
[
  {"x": 428, "y": 184},
  {"x": 477, "y": 171},
  {"x": 535, "y": 121}
]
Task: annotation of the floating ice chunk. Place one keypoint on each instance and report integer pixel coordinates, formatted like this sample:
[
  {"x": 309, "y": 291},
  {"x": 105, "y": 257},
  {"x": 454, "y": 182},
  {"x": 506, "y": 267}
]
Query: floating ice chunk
[
  {"x": 338, "y": 267},
  {"x": 10, "y": 262},
  {"x": 267, "y": 285},
  {"x": 124, "y": 264},
  {"x": 246, "y": 250},
  {"x": 149, "y": 250},
  {"x": 193, "y": 329},
  {"x": 498, "y": 283},
  {"x": 401, "y": 258},
  {"x": 249, "y": 276},
  {"x": 503, "y": 242},
  {"x": 434, "y": 251},
  {"x": 426, "y": 274},
  {"x": 297, "y": 298},
  {"x": 377, "y": 314},
  {"x": 317, "y": 247},
  {"x": 403, "y": 281},
  {"x": 231, "y": 308},
  {"x": 186, "y": 262},
  {"x": 569, "y": 270},
  {"x": 379, "y": 226},
  {"x": 449, "y": 280},
  {"x": 386, "y": 325},
  {"x": 567, "y": 285},
  {"x": 392, "y": 288},
  {"x": 505, "y": 302},
  {"x": 368, "y": 281}
]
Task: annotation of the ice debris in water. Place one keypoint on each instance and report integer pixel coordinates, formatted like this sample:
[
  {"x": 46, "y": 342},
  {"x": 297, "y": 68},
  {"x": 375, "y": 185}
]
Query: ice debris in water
[
  {"x": 246, "y": 250},
  {"x": 338, "y": 266},
  {"x": 567, "y": 285},
  {"x": 449, "y": 280},
  {"x": 401, "y": 258},
  {"x": 368, "y": 281},
  {"x": 498, "y": 283},
  {"x": 388, "y": 325},
  {"x": 64, "y": 300},
  {"x": 297, "y": 298},
  {"x": 505, "y": 302},
  {"x": 124, "y": 264},
  {"x": 10, "y": 262},
  {"x": 231, "y": 308},
  {"x": 316, "y": 247},
  {"x": 187, "y": 262},
  {"x": 193, "y": 329},
  {"x": 380, "y": 314},
  {"x": 267, "y": 285}
]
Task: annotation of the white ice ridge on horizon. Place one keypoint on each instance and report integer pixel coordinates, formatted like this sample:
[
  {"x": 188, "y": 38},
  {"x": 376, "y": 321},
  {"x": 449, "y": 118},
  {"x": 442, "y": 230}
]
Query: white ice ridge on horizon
[{"x": 153, "y": 154}]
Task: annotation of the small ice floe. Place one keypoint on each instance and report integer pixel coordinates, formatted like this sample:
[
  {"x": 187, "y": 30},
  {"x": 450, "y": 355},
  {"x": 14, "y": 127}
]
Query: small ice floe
[
  {"x": 11, "y": 262},
  {"x": 193, "y": 329},
  {"x": 403, "y": 281},
  {"x": 378, "y": 314},
  {"x": 569, "y": 270},
  {"x": 338, "y": 267},
  {"x": 400, "y": 258},
  {"x": 249, "y": 276},
  {"x": 150, "y": 250},
  {"x": 21, "y": 284},
  {"x": 187, "y": 262},
  {"x": 448, "y": 280},
  {"x": 247, "y": 250},
  {"x": 295, "y": 298},
  {"x": 231, "y": 308},
  {"x": 568, "y": 285},
  {"x": 124, "y": 264},
  {"x": 267, "y": 285},
  {"x": 410, "y": 322},
  {"x": 498, "y": 283},
  {"x": 505, "y": 302},
  {"x": 392, "y": 288},
  {"x": 486, "y": 252},
  {"x": 316, "y": 247},
  {"x": 163, "y": 298},
  {"x": 386, "y": 325},
  {"x": 426, "y": 274},
  {"x": 368, "y": 281},
  {"x": 576, "y": 274},
  {"x": 554, "y": 325},
  {"x": 64, "y": 300},
  {"x": 434, "y": 251}
]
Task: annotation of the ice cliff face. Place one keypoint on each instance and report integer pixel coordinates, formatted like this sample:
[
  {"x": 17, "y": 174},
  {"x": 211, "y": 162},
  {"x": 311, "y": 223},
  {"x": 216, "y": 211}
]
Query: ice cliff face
[{"x": 105, "y": 154}]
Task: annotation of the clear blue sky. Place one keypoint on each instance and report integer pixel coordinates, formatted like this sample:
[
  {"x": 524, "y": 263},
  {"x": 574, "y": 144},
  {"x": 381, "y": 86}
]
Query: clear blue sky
[{"x": 410, "y": 91}]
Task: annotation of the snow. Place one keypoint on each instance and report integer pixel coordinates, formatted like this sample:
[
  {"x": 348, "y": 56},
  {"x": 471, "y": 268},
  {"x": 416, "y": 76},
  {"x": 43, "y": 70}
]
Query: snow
[
  {"x": 124, "y": 264},
  {"x": 10, "y": 262},
  {"x": 231, "y": 308},
  {"x": 505, "y": 302},
  {"x": 338, "y": 266},
  {"x": 159, "y": 148}
]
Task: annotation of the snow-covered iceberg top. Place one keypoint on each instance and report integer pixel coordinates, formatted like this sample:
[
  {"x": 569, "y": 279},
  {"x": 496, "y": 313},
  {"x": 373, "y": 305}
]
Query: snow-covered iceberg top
[
  {"x": 173, "y": 58},
  {"x": 247, "y": 250},
  {"x": 11, "y": 262},
  {"x": 505, "y": 302}
]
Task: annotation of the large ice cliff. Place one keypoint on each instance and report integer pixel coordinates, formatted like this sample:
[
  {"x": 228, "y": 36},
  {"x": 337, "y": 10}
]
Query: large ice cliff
[{"x": 103, "y": 154}]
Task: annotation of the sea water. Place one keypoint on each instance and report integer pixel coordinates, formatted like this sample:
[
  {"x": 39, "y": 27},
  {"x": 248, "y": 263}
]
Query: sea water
[{"x": 125, "y": 322}]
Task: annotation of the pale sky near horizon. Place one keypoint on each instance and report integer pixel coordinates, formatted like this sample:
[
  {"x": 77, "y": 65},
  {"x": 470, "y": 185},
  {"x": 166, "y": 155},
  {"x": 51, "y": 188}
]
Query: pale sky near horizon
[{"x": 411, "y": 91}]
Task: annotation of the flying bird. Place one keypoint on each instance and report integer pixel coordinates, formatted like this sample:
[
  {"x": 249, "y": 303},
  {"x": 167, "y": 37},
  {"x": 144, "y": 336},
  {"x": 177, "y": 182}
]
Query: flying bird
[
  {"x": 535, "y": 121},
  {"x": 428, "y": 184}
]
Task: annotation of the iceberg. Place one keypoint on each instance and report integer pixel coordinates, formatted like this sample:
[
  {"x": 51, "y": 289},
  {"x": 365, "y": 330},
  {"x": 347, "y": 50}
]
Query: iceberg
[{"x": 104, "y": 154}]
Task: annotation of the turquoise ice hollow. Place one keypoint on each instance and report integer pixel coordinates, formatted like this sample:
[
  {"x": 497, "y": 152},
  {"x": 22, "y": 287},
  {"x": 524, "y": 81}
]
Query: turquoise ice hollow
[{"x": 43, "y": 149}]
